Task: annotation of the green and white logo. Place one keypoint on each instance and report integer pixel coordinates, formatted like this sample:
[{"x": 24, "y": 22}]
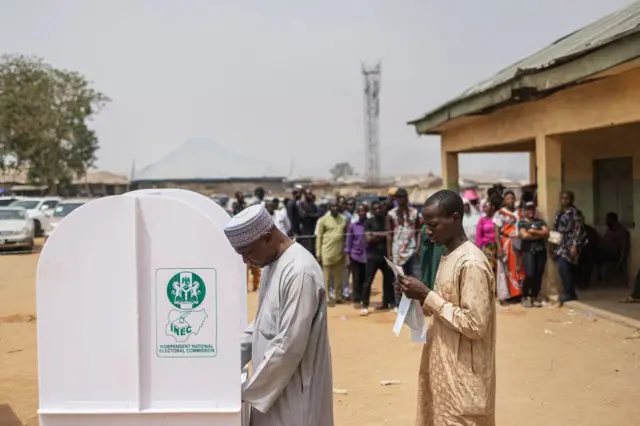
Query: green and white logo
[
  {"x": 186, "y": 290},
  {"x": 186, "y": 305}
]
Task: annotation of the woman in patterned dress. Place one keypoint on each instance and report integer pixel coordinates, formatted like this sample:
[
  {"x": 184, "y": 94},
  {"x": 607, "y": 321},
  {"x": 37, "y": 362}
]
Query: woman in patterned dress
[{"x": 510, "y": 269}]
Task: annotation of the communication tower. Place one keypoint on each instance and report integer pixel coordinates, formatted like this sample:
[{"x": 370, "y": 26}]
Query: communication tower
[{"x": 371, "y": 75}]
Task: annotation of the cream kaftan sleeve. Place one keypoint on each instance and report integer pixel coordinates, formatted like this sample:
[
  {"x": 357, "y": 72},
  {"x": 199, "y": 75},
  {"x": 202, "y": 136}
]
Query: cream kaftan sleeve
[
  {"x": 245, "y": 345},
  {"x": 472, "y": 317},
  {"x": 282, "y": 357}
]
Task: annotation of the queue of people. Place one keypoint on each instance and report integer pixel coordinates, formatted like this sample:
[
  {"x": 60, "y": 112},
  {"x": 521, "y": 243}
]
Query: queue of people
[
  {"x": 467, "y": 260},
  {"x": 350, "y": 241},
  {"x": 288, "y": 340},
  {"x": 516, "y": 242}
]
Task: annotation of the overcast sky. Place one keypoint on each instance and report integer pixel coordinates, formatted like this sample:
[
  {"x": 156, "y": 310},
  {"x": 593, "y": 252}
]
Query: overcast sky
[{"x": 280, "y": 79}]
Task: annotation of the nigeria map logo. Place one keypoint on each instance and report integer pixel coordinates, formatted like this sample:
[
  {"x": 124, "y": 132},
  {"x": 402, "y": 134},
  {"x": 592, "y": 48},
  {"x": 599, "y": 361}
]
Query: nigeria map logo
[{"x": 186, "y": 291}]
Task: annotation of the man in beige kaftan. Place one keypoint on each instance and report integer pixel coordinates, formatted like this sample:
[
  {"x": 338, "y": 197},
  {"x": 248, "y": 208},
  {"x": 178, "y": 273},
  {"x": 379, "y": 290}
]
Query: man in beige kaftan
[{"x": 456, "y": 383}]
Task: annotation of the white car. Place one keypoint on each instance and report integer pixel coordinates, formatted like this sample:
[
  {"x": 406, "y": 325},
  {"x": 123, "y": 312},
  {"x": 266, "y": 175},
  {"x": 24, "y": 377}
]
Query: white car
[
  {"x": 17, "y": 229},
  {"x": 39, "y": 209},
  {"x": 6, "y": 200},
  {"x": 62, "y": 210}
]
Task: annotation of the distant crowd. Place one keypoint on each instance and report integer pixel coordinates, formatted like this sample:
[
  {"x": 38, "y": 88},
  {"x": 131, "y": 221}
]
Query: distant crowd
[
  {"x": 350, "y": 240},
  {"x": 458, "y": 255}
]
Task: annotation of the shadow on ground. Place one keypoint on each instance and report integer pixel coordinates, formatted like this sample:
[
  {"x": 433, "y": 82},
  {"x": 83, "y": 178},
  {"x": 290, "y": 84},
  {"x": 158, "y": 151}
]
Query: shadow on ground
[{"x": 608, "y": 299}]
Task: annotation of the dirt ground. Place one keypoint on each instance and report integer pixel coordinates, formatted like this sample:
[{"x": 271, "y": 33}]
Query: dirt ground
[{"x": 555, "y": 366}]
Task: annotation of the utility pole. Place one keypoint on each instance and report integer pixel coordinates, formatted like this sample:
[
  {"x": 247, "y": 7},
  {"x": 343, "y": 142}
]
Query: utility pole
[{"x": 371, "y": 76}]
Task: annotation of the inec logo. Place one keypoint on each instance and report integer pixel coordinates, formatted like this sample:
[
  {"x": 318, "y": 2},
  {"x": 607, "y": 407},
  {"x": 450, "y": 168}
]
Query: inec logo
[{"x": 186, "y": 291}]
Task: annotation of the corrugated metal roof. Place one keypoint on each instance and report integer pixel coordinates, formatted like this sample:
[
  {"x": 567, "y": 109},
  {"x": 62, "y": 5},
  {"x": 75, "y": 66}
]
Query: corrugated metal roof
[
  {"x": 203, "y": 159},
  {"x": 612, "y": 27}
]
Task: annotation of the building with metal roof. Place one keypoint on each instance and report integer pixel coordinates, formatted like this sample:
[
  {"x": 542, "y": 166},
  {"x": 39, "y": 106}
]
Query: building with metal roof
[
  {"x": 534, "y": 76},
  {"x": 574, "y": 106},
  {"x": 206, "y": 166},
  {"x": 94, "y": 183},
  {"x": 204, "y": 159}
]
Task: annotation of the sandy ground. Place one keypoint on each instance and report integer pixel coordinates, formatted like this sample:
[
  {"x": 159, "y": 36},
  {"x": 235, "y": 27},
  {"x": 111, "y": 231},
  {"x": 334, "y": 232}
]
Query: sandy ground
[{"x": 555, "y": 366}]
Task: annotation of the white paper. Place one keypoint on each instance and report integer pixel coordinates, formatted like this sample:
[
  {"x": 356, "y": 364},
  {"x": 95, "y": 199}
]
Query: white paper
[
  {"x": 396, "y": 271},
  {"x": 409, "y": 312},
  {"x": 403, "y": 309}
]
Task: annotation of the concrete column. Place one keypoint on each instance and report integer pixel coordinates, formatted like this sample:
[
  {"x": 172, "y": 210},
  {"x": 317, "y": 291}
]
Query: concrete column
[
  {"x": 532, "y": 167},
  {"x": 450, "y": 175},
  {"x": 549, "y": 179}
]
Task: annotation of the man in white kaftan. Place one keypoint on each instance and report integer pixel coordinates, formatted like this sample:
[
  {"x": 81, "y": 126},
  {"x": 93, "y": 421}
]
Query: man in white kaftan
[{"x": 288, "y": 342}]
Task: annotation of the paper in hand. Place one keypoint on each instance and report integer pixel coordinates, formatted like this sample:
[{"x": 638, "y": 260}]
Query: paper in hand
[
  {"x": 409, "y": 312},
  {"x": 396, "y": 271}
]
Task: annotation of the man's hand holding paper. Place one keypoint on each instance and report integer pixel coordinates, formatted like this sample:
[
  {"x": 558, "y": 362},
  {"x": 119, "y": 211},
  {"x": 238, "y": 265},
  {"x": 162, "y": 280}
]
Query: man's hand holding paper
[
  {"x": 413, "y": 288},
  {"x": 409, "y": 311}
]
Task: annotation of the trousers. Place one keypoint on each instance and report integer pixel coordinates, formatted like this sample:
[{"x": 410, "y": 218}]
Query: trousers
[
  {"x": 534, "y": 263},
  {"x": 358, "y": 277},
  {"x": 567, "y": 271},
  {"x": 371, "y": 268},
  {"x": 333, "y": 275}
]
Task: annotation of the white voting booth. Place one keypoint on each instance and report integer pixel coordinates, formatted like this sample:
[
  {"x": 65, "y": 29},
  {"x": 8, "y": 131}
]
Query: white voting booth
[
  {"x": 221, "y": 218},
  {"x": 138, "y": 316},
  {"x": 217, "y": 214}
]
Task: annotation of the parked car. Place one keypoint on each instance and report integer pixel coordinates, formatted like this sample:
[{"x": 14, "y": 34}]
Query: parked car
[
  {"x": 17, "y": 229},
  {"x": 62, "y": 210},
  {"x": 39, "y": 209},
  {"x": 5, "y": 201}
]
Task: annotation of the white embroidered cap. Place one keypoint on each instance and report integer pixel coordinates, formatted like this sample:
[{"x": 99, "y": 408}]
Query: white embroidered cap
[{"x": 248, "y": 226}]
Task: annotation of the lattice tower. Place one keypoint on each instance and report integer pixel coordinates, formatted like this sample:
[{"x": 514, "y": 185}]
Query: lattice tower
[{"x": 371, "y": 75}]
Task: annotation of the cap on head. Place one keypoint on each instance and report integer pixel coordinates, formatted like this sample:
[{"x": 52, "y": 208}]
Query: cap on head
[
  {"x": 529, "y": 205},
  {"x": 248, "y": 226}
]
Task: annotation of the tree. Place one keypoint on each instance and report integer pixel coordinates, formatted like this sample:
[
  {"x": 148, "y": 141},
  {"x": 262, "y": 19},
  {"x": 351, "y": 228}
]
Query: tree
[
  {"x": 341, "y": 170},
  {"x": 44, "y": 113}
]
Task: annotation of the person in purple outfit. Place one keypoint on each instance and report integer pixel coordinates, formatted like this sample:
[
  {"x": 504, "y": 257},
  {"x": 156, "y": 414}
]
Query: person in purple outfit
[{"x": 356, "y": 250}]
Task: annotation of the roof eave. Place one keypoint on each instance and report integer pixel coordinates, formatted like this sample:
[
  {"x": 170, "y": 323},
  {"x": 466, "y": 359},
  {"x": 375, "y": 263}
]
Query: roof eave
[
  {"x": 537, "y": 83},
  {"x": 429, "y": 125}
]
